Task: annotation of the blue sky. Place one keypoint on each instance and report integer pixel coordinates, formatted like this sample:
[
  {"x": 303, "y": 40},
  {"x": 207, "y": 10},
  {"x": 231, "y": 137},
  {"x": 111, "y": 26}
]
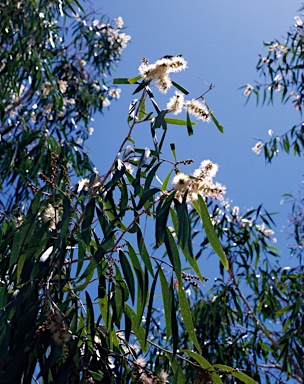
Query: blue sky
[{"x": 221, "y": 41}]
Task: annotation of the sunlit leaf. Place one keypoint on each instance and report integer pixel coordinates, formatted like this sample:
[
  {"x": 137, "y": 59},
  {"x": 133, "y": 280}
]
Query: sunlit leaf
[
  {"x": 236, "y": 373},
  {"x": 210, "y": 231}
]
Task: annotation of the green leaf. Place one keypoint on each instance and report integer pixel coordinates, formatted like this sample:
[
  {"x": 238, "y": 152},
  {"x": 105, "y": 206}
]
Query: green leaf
[
  {"x": 96, "y": 375},
  {"x": 142, "y": 284},
  {"x": 121, "y": 295},
  {"x": 179, "y": 377},
  {"x": 186, "y": 314},
  {"x": 173, "y": 254},
  {"x": 234, "y": 372},
  {"x": 162, "y": 213},
  {"x": 25, "y": 231},
  {"x": 167, "y": 299},
  {"x": 150, "y": 304},
  {"x": 218, "y": 125},
  {"x": 137, "y": 329},
  {"x": 131, "y": 80},
  {"x": 184, "y": 230},
  {"x": 160, "y": 120},
  {"x": 189, "y": 125},
  {"x": 180, "y": 88},
  {"x": 142, "y": 109},
  {"x": 166, "y": 181},
  {"x": 172, "y": 146},
  {"x": 205, "y": 365},
  {"x": 128, "y": 273},
  {"x": 143, "y": 252},
  {"x": 151, "y": 176},
  {"x": 90, "y": 322},
  {"x": 146, "y": 196},
  {"x": 202, "y": 210},
  {"x": 141, "y": 86},
  {"x": 182, "y": 122},
  {"x": 87, "y": 222}
]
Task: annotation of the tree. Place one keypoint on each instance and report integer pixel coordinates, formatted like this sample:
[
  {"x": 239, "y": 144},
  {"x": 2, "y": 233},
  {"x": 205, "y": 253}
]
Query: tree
[
  {"x": 79, "y": 284},
  {"x": 252, "y": 317},
  {"x": 77, "y": 279}
]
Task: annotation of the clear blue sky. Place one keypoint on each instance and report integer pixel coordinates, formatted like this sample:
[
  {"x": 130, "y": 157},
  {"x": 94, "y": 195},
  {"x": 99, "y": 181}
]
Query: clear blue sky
[{"x": 221, "y": 41}]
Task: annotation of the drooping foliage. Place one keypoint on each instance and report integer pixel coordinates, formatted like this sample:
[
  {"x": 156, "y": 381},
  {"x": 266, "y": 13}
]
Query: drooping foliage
[
  {"x": 53, "y": 63},
  {"x": 252, "y": 316},
  {"x": 281, "y": 76},
  {"x": 78, "y": 281}
]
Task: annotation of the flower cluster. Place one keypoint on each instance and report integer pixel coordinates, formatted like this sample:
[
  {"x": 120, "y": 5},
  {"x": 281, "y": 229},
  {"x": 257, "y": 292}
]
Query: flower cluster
[
  {"x": 248, "y": 90},
  {"x": 201, "y": 183},
  {"x": 159, "y": 71},
  {"x": 257, "y": 149},
  {"x": 300, "y": 27},
  {"x": 51, "y": 216},
  {"x": 198, "y": 109}
]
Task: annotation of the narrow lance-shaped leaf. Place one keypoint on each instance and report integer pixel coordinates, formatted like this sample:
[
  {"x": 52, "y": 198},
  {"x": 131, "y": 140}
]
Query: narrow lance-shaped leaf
[
  {"x": 172, "y": 146},
  {"x": 146, "y": 196},
  {"x": 218, "y": 125},
  {"x": 179, "y": 377},
  {"x": 205, "y": 365},
  {"x": 186, "y": 314},
  {"x": 167, "y": 299},
  {"x": 180, "y": 88},
  {"x": 189, "y": 125},
  {"x": 173, "y": 253},
  {"x": 137, "y": 329},
  {"x": 166, "y": 181},
  {"x": 143, "y": 252},
  {"x": 202, "y": 210},
  {"x": 150, "y": 304},
  {"x": 128, "y": 273},
  {"x": 182, "y": 122},
  {"x": 162, "y": 213},
  {"x": 236, "y": 373},
  {"x": 131, "y": 80}
]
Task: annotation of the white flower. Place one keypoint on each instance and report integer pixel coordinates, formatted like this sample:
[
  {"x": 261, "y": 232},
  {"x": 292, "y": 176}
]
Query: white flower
[
  {"x": 154, "y": 71},
  {"x": 198, "y": 109},
  {"x": 63, "y": 85},
  {"x": 258, "y": 147},
  {"x": 266, "y": 231},
  {"x": 129, "y": 168},
  {"x": 163, "y": 83},
  {"x": 46, "y": 87},
  {"x": 162, "y": 67},
  {"x": 83, "y": 184},
  {"x": 278, "y": 78},
  {"x": 70, "y": 101},
  {"x": 299, "y": 22},
  {"x": 81, "y": 63},
  {"x": 164, "y": 376},
  {"x": 119, "y": 21},
  {"x": 177, "y": 64},
  {"x": 270, "y": 132},
  {"x": 79, "y": 140},
  {"x": 176, "y": 103},
  {"x": 209, "y": 168},
  {"x": 50, "y": 216},
  {"x": 115, "y": 93},
  {"x": 90, "y": 131},
  {"x": 181, "y": 182},
  {"x": 106, "y": 102},
  {"x": 248, "y": 90}
]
